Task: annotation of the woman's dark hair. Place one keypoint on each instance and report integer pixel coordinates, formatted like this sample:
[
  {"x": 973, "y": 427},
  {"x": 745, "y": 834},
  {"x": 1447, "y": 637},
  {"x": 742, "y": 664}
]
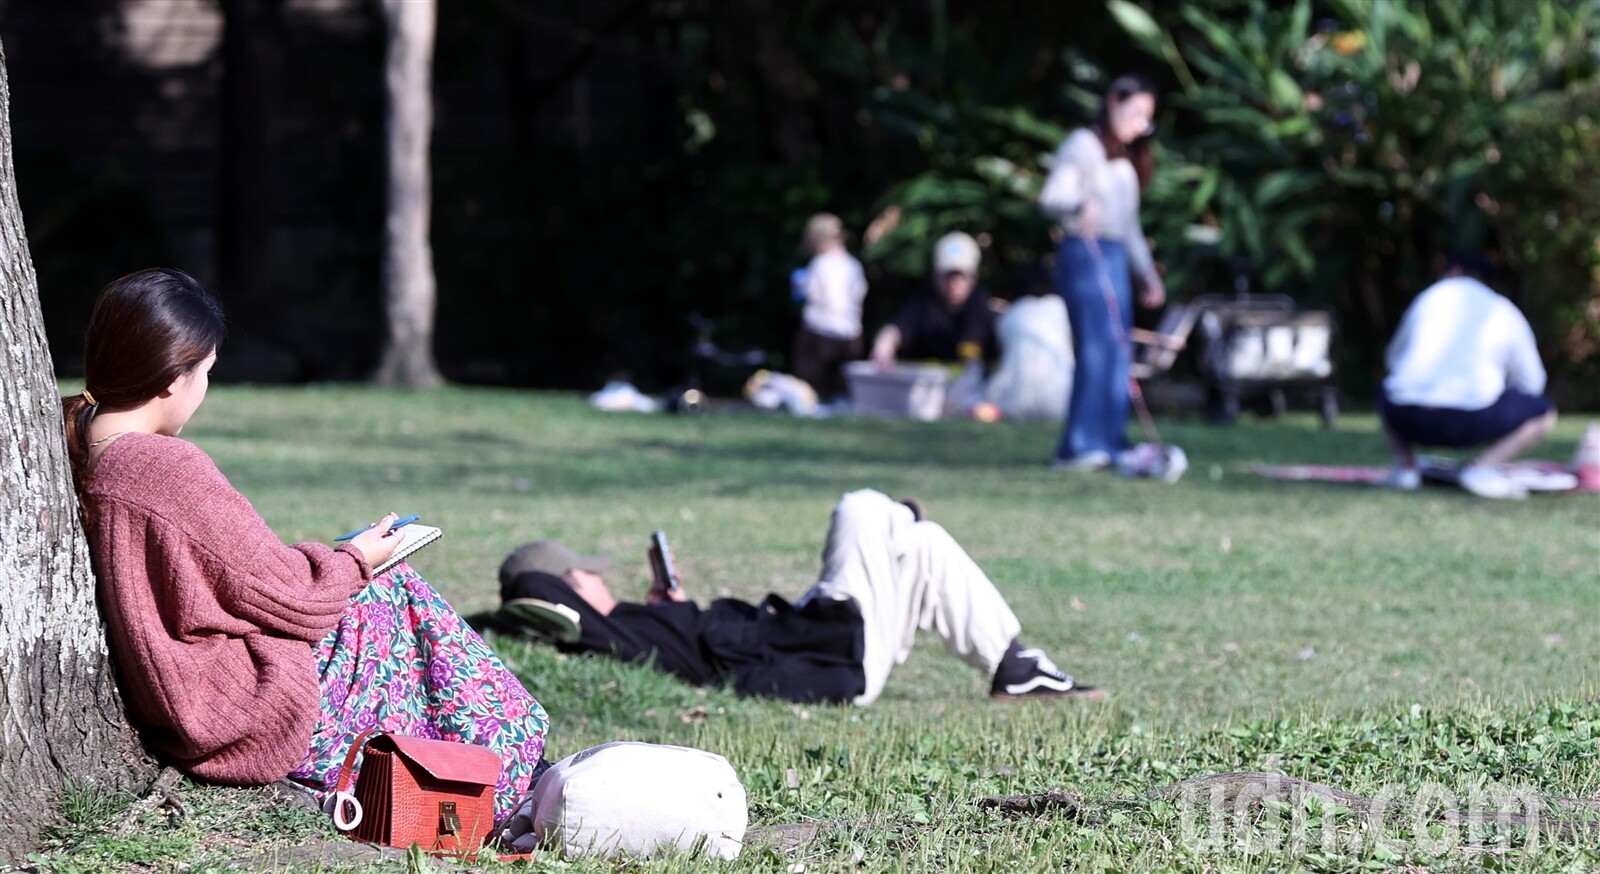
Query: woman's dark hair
[
  {"x": 148, "y": 329},
  {"x": 1476, "y": 263},
  {"x": 1137, "y": 152}
]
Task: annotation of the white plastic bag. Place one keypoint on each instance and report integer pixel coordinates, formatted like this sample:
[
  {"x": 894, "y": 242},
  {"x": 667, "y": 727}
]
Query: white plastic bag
[
  {"x": 627, "y": 800},
  {"x": 1034, "y": 379},
  {"x": 622, "y": 397},
  {"x": 773, "y": 391}
]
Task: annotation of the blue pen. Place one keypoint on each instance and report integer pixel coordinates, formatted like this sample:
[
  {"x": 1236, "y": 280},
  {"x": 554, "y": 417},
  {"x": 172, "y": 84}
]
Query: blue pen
[{"x": 399, "y": 523}]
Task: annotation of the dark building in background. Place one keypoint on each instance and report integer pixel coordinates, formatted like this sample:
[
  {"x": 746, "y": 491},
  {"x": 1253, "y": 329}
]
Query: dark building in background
[
  {"x": 241, "y": 140},
  {"x": 603, "y": 170},
  {"x": 127, "y": 158}
]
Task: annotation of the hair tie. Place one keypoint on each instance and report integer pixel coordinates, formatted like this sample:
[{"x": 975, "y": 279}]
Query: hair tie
[{"x": 90, "y": 398}]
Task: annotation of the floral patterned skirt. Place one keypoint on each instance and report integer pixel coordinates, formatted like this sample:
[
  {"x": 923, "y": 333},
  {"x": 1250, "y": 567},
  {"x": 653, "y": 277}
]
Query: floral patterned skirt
[{"x": 401, "y": 660}]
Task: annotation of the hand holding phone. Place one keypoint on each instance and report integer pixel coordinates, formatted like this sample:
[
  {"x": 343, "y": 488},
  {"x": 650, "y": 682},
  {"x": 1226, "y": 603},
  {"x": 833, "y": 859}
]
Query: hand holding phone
[{"x": 662, "y": 568}]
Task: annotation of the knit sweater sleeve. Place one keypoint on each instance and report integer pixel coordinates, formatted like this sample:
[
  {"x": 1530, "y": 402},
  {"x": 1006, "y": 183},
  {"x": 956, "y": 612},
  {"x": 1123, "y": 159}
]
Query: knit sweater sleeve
[
  {"x": 294, "y": 591},
  {"x": 1138, "y": 247},
  {"x": 1075, "y": 176}
]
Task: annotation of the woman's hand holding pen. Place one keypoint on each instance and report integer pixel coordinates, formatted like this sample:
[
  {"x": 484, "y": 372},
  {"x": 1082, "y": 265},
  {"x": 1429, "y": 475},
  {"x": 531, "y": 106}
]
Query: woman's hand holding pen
[{"x": 378, "y": 542}]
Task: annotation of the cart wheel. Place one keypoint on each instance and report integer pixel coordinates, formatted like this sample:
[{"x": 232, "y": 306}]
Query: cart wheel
[
  {"x": 1277, "y": 404},
  {"x": 1222, "y": 407},
  {"x": 1330, "y": 407},
  {"x": 1230, "y": 407}
]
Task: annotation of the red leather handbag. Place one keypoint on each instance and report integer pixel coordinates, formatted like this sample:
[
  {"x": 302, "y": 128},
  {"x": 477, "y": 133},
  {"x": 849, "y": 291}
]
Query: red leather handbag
[{"x": 436, "y": 794}]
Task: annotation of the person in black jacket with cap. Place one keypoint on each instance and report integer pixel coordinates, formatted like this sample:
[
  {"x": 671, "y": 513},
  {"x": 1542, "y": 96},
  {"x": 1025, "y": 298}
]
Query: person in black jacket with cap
[
  {"x": 886, "y": 572},
  {"x": 953, "y": 319}
]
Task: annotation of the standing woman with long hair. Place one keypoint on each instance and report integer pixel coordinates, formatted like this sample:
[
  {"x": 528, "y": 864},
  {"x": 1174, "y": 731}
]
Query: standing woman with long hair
[
  {"x": 243, "y": 660},
  {"x": 1093, "y": 191}
]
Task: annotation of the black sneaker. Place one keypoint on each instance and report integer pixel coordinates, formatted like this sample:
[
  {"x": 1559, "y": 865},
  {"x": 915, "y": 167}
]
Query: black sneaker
[
  {"x": 542, "y": 620},
  {"x": 1043, "y": 680}
]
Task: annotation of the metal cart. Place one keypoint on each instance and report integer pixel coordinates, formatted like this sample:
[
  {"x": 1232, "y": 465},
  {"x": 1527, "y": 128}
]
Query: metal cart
[{"x": 1260, "y": 347}]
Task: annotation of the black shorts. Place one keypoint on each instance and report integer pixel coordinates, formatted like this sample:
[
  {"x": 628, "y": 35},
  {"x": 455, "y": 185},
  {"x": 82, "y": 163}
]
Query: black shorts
[{"x": 1442, "y": 426}]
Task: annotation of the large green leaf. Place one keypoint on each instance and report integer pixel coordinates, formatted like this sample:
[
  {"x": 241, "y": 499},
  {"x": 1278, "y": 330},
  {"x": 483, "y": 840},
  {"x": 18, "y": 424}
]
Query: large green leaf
[
  {"x": 1249, "y": 224},
  {"x": 1210, "y": 98},
  {"x": 1412, "y": 20},
  {"x": 1224, "y": 43},
  {"x": 1354, "y": 177},
  {"x": 1019, "y": 120},
  {"x": 1281, "y": 184},
  {"x": 1245, "y": 117},
  {"x": 1007, "y": 176},
  {"x": 1139, "y": 25},
  {"x": 1295, "y": 31},
  {"x": 1285, "y": 92},
  {"x": 930, "y": 191},
  {"x": 1296, "y": 128},
  {"x": 1380, "y": 17},
  {"x": 1226, "y": 75},
  {"x": 1203, "y": 192}
]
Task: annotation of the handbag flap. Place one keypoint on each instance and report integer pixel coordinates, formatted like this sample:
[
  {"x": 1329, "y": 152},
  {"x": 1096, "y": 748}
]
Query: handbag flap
[{"x": 448, "y": 760}]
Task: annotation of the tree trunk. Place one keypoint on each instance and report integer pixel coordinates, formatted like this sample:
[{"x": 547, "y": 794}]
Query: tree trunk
[
  {"x": 61, "y": 720},
  {"x": 408, "y": 282}
]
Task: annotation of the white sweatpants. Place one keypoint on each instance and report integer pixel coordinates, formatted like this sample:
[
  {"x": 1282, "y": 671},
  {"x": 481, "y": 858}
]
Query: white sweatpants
[{"x": 907, "y": 575}]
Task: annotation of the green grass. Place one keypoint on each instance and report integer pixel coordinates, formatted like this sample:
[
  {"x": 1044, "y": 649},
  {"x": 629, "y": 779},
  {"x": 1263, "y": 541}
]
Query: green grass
[{"x": 1335, "y": 633}]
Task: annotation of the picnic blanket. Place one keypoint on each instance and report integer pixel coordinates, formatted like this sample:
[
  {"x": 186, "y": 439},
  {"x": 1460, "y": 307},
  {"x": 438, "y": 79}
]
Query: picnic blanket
[{"x": 1534, "y": 474}]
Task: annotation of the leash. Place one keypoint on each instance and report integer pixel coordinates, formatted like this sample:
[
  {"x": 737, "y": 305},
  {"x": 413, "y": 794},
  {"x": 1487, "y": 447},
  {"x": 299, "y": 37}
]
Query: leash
[{"x": 1134, "y": 392}]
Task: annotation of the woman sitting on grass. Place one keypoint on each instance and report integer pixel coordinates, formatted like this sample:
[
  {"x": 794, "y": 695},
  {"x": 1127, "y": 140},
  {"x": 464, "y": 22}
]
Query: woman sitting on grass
[{"x": 244, "y": 660}]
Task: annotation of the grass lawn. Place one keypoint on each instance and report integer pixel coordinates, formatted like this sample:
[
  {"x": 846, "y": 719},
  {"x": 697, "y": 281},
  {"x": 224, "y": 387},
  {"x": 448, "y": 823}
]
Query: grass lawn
[{"x": 1340, "y": 634}]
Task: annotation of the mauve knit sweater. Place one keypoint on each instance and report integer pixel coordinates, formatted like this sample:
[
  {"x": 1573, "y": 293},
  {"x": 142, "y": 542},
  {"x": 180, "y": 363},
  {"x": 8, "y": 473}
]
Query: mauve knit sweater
[{"x": 211, "y": 618}]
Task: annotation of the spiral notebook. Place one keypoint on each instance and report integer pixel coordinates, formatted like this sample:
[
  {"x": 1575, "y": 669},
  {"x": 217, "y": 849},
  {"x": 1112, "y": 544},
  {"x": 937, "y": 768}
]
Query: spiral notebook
[{"x": 416, "y": 536}]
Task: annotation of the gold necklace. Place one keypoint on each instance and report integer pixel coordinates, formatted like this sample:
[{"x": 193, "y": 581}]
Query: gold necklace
[{"x": 107, "y": 439}]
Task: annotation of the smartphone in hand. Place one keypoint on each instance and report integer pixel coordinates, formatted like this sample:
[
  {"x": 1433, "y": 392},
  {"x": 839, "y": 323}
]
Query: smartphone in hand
[{"x": 661, "y": 568}]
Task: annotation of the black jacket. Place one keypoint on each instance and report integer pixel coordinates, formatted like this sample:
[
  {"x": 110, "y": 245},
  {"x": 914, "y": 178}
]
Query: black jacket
[
  {"x": 772, "y": 649},
  {"x": 931, "y": 329}
]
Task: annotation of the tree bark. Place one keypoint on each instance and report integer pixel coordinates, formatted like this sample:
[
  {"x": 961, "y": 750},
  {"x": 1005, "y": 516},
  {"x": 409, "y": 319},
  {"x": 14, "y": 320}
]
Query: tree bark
[
  {"x": 61, "y": 719},
  {"x": 408, "y": 280}
]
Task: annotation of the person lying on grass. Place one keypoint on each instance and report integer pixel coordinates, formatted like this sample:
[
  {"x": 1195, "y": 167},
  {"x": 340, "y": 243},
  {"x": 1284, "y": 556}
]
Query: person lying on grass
[
  {"x": 886, "y": 571},
  {"x": 243, "y": 660}
]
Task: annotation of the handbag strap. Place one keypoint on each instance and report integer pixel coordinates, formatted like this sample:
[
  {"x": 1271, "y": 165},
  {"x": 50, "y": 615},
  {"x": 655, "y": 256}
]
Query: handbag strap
[{"x": 346, "y": 775}]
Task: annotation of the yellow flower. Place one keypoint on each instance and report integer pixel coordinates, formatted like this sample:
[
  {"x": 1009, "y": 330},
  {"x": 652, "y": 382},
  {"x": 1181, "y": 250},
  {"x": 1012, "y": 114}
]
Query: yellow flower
[{"x": 1349, "y": 42}]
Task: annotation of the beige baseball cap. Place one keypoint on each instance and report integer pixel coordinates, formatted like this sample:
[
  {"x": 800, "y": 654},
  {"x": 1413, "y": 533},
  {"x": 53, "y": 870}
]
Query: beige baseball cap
[{"x": 956, "y": 252}]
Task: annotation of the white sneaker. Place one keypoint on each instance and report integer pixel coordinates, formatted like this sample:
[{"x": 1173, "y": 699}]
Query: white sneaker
[
  {"x": 1535, "y": 480},
  {"x": 1491, "y": 482},
  {"x": 541, "y": 620},
  {"x": 1404, "y": 479},
  {"x": 1091, "y": 460}
]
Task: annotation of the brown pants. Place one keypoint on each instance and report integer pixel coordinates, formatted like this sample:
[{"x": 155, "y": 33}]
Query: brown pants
[{"x": 819, "y": 360}]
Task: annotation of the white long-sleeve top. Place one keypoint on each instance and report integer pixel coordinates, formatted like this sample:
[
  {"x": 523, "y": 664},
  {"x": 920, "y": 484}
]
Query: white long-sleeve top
[
  {"x": 835, "y": 287},
  {"x": 1082, "y": 172},
  {"x": 1459, "y": 345}
]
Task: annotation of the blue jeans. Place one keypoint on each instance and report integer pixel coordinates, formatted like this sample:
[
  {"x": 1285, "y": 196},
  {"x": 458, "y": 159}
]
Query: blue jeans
[{"x": 1097, "y": 414}]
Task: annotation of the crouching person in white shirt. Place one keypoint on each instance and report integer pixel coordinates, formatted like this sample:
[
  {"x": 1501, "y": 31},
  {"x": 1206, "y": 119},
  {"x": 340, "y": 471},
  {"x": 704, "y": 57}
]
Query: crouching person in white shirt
[{"x": 1464, "y": 371}]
